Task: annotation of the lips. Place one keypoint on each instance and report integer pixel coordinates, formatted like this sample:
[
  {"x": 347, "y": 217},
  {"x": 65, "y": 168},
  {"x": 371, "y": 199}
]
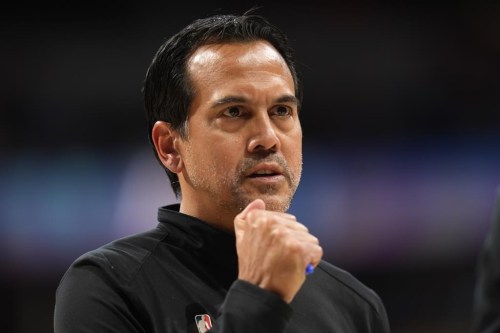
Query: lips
[
  {"x": 263, "y": 173},
  {"x": 264, "y": 170}
]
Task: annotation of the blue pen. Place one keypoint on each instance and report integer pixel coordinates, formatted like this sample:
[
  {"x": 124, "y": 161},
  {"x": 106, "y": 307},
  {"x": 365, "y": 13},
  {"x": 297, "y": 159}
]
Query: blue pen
[{"x": 309, "y": 269}]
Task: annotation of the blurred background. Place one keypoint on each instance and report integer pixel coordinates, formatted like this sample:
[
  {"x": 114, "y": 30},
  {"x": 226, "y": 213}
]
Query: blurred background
[{"x": 401, "y": 138}]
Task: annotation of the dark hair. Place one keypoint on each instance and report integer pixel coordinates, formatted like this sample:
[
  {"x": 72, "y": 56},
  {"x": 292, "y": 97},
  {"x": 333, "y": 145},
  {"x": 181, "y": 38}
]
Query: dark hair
[{"x": 167, "y": 91}]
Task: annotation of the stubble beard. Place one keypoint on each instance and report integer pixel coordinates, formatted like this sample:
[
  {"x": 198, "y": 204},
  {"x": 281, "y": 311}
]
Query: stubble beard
[
  {"x": 232, "y": 197},
  {"x": 241, "y": 197}
]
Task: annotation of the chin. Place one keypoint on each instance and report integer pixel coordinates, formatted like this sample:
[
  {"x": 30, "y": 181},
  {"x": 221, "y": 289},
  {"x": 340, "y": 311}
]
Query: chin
[{"x": 277, "y": 204}]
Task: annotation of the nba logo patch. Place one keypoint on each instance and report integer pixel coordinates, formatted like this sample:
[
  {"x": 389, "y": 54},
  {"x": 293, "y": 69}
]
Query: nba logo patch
[{"x": 203, "y": 322}]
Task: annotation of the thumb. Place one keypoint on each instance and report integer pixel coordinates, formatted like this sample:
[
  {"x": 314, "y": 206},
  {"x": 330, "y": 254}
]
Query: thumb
[
  {"x": 239, "y": 220},
  {"x": 256, "y": 204}
]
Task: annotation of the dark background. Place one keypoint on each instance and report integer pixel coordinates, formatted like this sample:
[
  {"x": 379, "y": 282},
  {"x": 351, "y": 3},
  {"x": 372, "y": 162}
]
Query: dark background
[{"x": 401, "y": 134}]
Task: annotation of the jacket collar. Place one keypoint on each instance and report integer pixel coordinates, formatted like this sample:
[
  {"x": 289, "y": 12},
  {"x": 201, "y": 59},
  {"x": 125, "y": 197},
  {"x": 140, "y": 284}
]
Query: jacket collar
[{"x": 215, "y": 249}]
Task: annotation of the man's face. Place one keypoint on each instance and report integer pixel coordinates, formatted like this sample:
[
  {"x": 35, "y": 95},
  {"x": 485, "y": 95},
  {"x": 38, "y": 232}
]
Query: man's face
[{"x": 244, "y": 139}]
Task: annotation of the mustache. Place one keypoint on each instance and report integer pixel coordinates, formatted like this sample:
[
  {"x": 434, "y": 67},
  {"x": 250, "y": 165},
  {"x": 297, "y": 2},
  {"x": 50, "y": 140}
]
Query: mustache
[{"x": 251, "y": 161}]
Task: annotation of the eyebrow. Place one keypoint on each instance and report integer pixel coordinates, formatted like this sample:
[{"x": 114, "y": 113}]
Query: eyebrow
[
  {"x": 229, "y": 100},
  {"x": 240, "y": 99},
  {"x": 287, "y": 99}
]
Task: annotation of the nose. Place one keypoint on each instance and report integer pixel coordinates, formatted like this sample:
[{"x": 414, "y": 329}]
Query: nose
[{"x": 264, "y": 135}]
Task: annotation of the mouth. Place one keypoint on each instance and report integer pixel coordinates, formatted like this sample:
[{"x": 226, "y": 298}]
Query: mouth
[
  {"x": 267, "y": 173},
  {"x": 265, "y": 170},
  {"x": 264, "y": 174}
]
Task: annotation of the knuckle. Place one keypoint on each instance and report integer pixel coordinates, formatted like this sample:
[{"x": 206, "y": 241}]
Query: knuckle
[
  {"x": 261, "y": 221},
  {"x": 257, "y": 221},
  {"x": 279, "y": 233},
  {"x": 252, "y": 215},
  {"x": 294, "y": 246},
  {"x": 303, "y": 227},
  {"x": 315, "y": 240},
  {"x": 320, "y": 251}
]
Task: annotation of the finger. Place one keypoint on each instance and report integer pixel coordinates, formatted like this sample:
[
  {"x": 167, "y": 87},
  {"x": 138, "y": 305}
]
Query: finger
[
  {"x": 286, "y": 216},
  {"x": 240, "y": 219},
  {"x": 259, "y": 217},
  {"x": 308, "y": 247},
  {"x": 256, "y": 204},
  {"x": 294, "y": 226},
  {"x": 315, "y": 254},
  {"x": 298, "y": 243}
]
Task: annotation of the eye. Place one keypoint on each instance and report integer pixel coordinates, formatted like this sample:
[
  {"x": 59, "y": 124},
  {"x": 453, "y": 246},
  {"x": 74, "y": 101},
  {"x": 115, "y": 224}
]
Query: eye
[
  {"x": 283, "y": 111},
  {"x": 233, "y": 112}
]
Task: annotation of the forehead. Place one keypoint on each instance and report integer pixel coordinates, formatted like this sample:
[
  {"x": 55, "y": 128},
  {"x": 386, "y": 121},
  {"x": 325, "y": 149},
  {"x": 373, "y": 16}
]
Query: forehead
[{"x": 231, "y": 58}]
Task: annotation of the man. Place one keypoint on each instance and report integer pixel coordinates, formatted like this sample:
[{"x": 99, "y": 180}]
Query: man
[
  {"x": 222, "y": 99},
  {"x": 486, "y": 307}
]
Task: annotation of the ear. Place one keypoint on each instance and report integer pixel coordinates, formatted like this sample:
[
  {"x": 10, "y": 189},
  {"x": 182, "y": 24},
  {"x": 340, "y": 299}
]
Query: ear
[{"x": 166, "y": 139}]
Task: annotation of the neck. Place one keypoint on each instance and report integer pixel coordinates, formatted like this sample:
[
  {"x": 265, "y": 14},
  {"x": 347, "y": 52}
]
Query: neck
[{"x": 216, "y": 216}]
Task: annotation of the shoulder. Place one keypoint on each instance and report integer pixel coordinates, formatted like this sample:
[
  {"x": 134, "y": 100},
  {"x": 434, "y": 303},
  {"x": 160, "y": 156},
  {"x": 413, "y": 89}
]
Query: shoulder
[
  {"x": 121, "y": 258},
  {"x": 343, "y": 282},
  {"x": 100, "y": 284},
  {"x": 334, "y": 298}
]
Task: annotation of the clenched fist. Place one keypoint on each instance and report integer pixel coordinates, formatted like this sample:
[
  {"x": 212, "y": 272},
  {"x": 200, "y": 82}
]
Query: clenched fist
[{"x": 274, "y": 249}]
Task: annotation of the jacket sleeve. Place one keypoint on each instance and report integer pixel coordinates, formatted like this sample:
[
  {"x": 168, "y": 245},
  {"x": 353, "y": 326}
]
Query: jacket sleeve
[
  {"x": 249, "y": 308},
  {"x": 380, "y": 320},
  {"x": 87, "y": 302},
  {"x": 486, "y": 314}
]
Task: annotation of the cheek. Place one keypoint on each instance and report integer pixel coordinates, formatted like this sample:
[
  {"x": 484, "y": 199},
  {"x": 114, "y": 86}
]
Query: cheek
[
  {"x": 223, "y": 155},
  {"x": 294, "y": 146},
  {"x": 293, "y": 154},
  {"x": 296, "y": 162}
]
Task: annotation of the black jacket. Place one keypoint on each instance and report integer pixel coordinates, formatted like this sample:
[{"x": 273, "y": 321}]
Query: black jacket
[
  {"x": 486, "y": 314},
  {"x": 160, "y": 280}
]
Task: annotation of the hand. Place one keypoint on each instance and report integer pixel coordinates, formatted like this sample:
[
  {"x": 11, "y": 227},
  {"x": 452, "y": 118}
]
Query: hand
[{"x": 274, "y": 249}]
